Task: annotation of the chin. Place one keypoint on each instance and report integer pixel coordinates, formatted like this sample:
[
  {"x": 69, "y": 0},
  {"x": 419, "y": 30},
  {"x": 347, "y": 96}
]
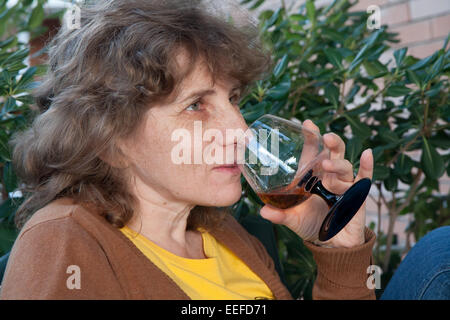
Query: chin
[{"x": 227, "y": 196}]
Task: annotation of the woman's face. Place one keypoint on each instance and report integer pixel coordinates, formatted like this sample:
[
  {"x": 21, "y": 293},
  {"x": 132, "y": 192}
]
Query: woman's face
[{"x": 175, "y": 132}]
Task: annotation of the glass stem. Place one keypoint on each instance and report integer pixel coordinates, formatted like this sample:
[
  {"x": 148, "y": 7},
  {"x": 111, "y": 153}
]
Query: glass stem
[
  {"x": 329, "y": 197},
  {"x": 315, "y": 186}
]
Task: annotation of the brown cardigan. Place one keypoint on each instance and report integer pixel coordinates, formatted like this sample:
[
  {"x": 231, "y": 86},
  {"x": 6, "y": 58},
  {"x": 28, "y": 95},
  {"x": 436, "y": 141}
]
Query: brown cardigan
[{"x": 63, "y": 234}]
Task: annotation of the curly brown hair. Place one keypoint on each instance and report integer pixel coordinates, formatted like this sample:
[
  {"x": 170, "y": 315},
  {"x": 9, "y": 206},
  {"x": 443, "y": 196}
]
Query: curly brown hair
[{"x": 102, "y": 78}]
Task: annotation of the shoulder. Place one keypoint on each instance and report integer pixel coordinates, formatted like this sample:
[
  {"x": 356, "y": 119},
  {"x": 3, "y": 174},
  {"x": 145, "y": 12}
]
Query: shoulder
[
  {"x": 63, "y": 227},
  {"x": 58, "y": 237},
  {"x": 63, "y": 213}
]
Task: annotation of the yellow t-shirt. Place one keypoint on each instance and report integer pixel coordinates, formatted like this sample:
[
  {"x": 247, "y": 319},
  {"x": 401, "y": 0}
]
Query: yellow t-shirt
[{"x": 221, "y": 276}]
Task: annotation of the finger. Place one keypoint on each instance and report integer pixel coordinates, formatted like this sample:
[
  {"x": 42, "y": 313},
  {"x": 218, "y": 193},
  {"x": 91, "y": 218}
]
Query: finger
[
  {"x": 342, "y": 167},
  {"x": 335, "y": 144},
  {"x": 365, "y": 165},
  {"x": 311, "y": 134},
  {"x": 308, "y": 124}
]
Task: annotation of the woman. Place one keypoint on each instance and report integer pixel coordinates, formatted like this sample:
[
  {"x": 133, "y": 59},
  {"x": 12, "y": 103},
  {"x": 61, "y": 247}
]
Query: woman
[{"x": 109, "y": 215}]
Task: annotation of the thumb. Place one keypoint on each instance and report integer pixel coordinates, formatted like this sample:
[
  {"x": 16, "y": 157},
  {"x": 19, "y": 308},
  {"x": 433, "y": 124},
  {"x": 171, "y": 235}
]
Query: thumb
[
  {"x": 273, "y": 214},
  {"x": 365, "y": 165}
]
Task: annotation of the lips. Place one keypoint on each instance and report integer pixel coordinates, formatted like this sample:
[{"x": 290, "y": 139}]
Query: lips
[{"x": 228, "y": 168}]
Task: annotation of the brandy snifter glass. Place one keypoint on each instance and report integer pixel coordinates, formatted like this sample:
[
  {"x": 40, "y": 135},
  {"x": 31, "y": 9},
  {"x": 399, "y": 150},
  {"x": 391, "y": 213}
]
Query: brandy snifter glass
[{"x": 283, "y": 165}]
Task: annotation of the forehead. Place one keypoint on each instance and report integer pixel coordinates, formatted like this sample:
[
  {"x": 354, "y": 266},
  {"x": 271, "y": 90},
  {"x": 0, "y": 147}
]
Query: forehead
[{"x": 198, "y": 76}]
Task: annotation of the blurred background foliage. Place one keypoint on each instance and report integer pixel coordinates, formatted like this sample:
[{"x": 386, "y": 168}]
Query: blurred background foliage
[
  {"x": 328, "y": 70},
  {"x": 17, "y": 78}
]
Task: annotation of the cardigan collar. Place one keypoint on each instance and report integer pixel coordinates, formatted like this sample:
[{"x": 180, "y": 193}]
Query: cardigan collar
[{"x": 227, "y": 234}]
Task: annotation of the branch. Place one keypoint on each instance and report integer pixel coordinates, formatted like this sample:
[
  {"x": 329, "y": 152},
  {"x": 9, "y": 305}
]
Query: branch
[
  {"x": 412, "y": 192},
  {"x": 393, "y": 217}
]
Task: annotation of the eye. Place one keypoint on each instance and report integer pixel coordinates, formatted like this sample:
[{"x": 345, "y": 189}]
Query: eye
[{"x": 194, "y": 107}]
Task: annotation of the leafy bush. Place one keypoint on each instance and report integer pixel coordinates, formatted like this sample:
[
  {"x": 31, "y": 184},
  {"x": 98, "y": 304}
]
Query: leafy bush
[
  {"x": 329, "y": 71},
  {"x": 16, "y": 81}
]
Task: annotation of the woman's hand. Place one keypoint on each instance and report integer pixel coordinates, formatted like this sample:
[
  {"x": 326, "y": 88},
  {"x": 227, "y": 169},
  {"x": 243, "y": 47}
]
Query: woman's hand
[{"x": 306, "y": 218}]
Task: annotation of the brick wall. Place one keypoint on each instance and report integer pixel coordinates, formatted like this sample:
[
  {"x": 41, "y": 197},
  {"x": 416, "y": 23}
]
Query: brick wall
[{"x": 422, "y": 25}]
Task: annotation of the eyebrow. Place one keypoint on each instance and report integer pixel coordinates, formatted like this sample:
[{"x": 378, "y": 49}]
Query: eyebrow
[{"x": 205, "y": 92}]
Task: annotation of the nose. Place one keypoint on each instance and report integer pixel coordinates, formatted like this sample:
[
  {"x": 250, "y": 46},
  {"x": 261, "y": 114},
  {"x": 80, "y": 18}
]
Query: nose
[
  {"x": 234, "y": 132},
  {"x": 232, "y": 125}
]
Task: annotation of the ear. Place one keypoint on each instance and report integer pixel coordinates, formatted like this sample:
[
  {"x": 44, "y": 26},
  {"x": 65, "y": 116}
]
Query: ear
[{"x": 114, "y": 156}]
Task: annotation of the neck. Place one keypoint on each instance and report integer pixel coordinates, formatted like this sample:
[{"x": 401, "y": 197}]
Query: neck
[{"x": 161, "y": 219}]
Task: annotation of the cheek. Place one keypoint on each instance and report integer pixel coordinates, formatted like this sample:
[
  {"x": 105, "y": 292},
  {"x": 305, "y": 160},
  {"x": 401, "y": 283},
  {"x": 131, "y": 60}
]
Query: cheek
[
  {"x": 199, "y": 185},
  {"x": 195, "y": 183},
  {"x": 223, "y": 189}
]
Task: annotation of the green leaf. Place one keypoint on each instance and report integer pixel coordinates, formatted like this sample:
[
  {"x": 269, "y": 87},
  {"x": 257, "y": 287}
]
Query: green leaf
[
  {"x": 359, "y": 129},
  {"x": 358, "y": 59},
  {"x": 364, "y": 50},
  {"x": 424, "y": 62},
  {"x": 448, "y": 168},
  {"x": 257, "y": 4},
  {"x": 15, "y": 58},
  {"x": 330, "y": 6},
  {"x": 319, "y": 110},
  {"x": 441, "y": 140},
  {"x": 389, "y": 136},
  {"x": 297, "y": 17},
  {"x": 375, "y": 68},
  {"x": 391, "y": 182},
  {"x": 334, "y": 57},
  {"x": 435, "y": 90},
  {"x": 403, "y": 165},
  {"x": 435, "y": 69},
  {"x": 11, "y": 41},
  {"x": 353, "y": 149},
  {"x": 26, "y": 78},
  {"x": 9, "y": 105},
  {"x": 399, "y": 55},
  {"x": 397, "y": 91},
  {"x": 265, "y": 15},
  {"x": 332, "y": 94},
  {"x": 6, "y": 15},
  {"x": 8, "y": 234},
  {"x": 281, "y": 66},
  {"x": 432, "y": 184},
  {"x": 380, "y": 173},
  {"x": 9, "y": 177},
  {"x": 311, "y": 11},
  {"x": 272, "y": 20},
  {"x": 355, "y": 89},
  {"x": 332, "y": 35},
  {"x": 254, "y": 112},
  {"x": 5, "y": 154},
  {"x": 431, "y": 161},
  {"x": 37, "y": 15},
  {"x": 412, "y": 76},
  {"x": 359, "y": 110},
  {"x": 281, "y": 89}
]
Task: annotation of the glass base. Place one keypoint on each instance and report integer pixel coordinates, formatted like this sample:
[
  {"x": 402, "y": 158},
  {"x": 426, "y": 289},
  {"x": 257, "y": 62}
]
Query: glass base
[{"x": 344, "y": 209}]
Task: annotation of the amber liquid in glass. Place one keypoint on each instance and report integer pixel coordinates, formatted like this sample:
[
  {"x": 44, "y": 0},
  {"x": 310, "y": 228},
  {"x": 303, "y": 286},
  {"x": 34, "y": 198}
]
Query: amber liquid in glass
[
  {"x": 283, "y": 198},
  {"x": 295, "y": 193}
]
